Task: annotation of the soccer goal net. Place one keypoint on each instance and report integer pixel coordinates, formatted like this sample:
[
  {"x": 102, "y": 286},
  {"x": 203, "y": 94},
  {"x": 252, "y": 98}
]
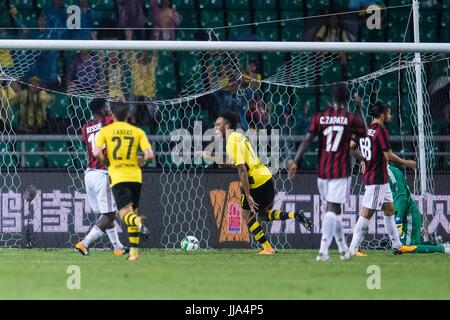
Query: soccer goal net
[{"x": 178, "y": 92}]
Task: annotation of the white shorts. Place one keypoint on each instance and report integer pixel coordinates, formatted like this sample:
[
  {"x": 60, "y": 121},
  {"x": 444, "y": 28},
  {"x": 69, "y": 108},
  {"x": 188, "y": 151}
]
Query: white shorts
[
  {"x": 335, "y": 190},
  {"x": 377, "y": 194},
  {"x": 98, "y": 191}
]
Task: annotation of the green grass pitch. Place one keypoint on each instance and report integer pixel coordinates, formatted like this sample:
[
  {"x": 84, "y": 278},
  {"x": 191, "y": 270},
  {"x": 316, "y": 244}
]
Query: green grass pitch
[{"x": 220, "y": 274}]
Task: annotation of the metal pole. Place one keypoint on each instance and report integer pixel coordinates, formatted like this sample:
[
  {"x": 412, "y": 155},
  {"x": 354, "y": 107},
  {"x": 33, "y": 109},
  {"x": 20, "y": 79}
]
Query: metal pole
[
  {"x": 420, "y": 120},
  {"x": 224, "y": 46}
]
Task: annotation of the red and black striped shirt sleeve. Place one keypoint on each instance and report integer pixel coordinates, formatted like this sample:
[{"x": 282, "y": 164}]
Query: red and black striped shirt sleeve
[{"x": 383, "y": 139}]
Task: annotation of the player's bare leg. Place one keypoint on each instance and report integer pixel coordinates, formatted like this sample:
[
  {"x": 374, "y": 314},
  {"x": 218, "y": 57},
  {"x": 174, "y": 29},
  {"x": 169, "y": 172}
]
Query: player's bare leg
[
  {"x": 360, "y": 230},
  {"x": 391, "y": 229},
  {"x": 257, "y": 232},
  {"x": 111, "y": 230},
  {"x": 104, "y": 224}
]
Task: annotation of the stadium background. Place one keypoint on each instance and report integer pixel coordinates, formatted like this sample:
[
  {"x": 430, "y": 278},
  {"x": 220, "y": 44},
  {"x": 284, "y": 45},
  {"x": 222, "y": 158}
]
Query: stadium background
[{"x": 43, "y": 152}]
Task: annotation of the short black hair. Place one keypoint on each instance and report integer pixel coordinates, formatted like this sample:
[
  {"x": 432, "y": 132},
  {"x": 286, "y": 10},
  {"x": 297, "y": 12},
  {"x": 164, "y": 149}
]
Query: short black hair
[
  {"x": 378, "y": 108},
  {"x": 231, "y": 117},
  {"x": 120, "y": 110},
  {"x": 340, "y": 93},
  {"x": 97, "y": 105}
]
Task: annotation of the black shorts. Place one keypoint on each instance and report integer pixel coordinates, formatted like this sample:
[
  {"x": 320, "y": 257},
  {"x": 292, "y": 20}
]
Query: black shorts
[
  {"x": 126, "y": 193},
  {"x": 263, "y": 196}
]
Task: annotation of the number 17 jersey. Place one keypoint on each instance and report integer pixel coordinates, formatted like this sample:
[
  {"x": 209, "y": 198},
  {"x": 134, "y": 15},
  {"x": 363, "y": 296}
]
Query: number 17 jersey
[
  {"x": 122, "y": 142},
  {"x": 335, "y": 127}
]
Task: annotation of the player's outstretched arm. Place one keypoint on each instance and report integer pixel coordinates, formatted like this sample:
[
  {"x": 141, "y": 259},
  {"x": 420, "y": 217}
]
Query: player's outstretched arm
[
  {"x": 207, "y": 157},
  {"x": 304, "y": 146},
  {"x": 358, "y": 110},
  {"x": 210, "y": 159},
  {"x": 390, "y": 156}
]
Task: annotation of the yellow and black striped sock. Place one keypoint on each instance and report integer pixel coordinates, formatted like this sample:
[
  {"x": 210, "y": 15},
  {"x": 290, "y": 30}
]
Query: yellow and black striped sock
[
  {"x": 133, "y": 238},
  {"x": 131, "y": 219},
  {"x": 258, "y": 233},
  {"x": 280, "y": 215}
]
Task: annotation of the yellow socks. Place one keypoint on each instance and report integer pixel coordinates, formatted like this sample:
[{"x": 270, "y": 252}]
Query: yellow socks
[
  {"x": 133, "y": 238},
  {"x": 258, "y": 234},
  {"x": 131, "y": 219},
  {"x": 279, "y": 215}
]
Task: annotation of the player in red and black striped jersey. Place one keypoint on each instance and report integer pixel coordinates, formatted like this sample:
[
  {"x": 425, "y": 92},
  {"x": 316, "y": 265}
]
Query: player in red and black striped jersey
[
  {"x": 335, "y": 127},
  {"x": 375, "y": 144},
  {"x": 96, "y": 180},
  {"x": 88, "y": 136},
  {"x": 374, "y": 153}
]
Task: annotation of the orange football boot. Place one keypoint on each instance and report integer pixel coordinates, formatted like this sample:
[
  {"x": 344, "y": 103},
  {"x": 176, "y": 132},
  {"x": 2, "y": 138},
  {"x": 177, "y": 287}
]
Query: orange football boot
[
  {"x": 82, "y": 249},
  {"x": 267, "y": 251},
  {"x": 405, "y": 249},
  {"x": 360, "y": 254}
]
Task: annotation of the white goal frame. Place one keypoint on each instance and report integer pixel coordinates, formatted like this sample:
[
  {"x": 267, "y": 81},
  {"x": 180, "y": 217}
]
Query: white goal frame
[
  {"x": 266, "y": 46},
  {"x": 222, "y": 46}
]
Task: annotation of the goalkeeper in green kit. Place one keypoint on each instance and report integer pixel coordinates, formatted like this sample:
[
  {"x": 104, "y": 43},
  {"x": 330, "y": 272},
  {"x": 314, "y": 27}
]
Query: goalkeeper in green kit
[{"x": 408, "y": 216}]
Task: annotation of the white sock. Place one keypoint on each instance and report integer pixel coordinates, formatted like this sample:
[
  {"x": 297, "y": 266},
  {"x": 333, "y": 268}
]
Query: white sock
[
  {"x": 358, "y": 233},
  {"x": 93, "y": 235},
  {"x": 339, "y": 235},
  {"x": 391, "y": 229},
  {"x": 328, "y": 226},
  {"x": 114, "y": 238}
]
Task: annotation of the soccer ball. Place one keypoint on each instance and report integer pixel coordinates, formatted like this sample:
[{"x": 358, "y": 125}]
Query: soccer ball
[{"x": 189, "y": 243}]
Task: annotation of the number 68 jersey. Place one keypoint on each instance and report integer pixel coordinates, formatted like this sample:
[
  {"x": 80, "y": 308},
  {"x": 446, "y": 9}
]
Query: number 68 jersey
[
  {"x": 372, "y": 148},
  {"x": 335, "y": 127},
  {"x": 89, "y": 133}
]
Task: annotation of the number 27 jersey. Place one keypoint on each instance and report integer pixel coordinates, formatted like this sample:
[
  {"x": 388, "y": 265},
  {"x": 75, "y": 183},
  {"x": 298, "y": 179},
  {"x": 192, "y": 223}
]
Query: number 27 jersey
[
  {"x": 335, "y": 127},
  {"x": 122, "y": 142}
]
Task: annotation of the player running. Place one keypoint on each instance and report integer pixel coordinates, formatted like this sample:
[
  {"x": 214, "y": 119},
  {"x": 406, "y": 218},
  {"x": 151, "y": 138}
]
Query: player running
[
  {"x": 375, "y": 151},
  {"x": 407, "y": 215},
  {"x": 257, "y": 185},
  {"x": 335, "y": 127},
  {"x": 122, "y": 142},
  {"x": 96, "y": 181}
]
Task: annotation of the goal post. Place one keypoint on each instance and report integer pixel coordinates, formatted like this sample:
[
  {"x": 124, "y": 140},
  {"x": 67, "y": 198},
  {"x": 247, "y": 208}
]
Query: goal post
[
  {"x": 225, "y": 46},
  {"x": 420, "y": 116}
]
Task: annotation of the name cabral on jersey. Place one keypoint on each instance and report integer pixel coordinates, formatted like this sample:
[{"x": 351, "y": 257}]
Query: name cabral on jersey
[
  {"x": 124, "y": 132},
  {"x": 333, "y": 120}
]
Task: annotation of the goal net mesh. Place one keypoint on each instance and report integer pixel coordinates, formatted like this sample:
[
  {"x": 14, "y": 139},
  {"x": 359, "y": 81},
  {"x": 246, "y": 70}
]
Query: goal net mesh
[{"x": 282, "y": 94}]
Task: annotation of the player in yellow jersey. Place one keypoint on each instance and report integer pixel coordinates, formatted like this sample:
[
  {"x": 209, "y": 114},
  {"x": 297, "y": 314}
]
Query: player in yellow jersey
[
  {"x": 122, "y": 141},
  {"x": 257, "y": 185}
]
